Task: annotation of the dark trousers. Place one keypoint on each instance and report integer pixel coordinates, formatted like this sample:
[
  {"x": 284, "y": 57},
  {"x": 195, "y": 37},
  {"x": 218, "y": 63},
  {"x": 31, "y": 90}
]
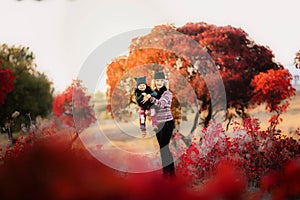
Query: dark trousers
[{"x": 163, "y": 137}]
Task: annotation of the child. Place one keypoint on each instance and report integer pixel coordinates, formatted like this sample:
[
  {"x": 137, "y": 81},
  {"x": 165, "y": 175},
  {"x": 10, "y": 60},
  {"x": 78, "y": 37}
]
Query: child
[{"x": 140, "y": 91}]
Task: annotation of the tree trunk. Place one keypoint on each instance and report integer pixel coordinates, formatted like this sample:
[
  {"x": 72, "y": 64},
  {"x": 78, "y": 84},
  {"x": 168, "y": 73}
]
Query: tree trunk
[
  {"x": 227, "y": 125},
  {"x": 10, "y": 136},
  {"x": 73, "y": 140},
  {"x": 195, "y": 124},
  {"x": 209, "y": 115}
]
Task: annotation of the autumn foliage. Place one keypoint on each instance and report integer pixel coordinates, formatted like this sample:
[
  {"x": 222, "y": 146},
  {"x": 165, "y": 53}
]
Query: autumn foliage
[
  {"x": 274, "y": 89},
  {"x": 52, "y": 171},
  {"x": 220, "y": 63},
  {"x": 6, "y": 83},
  {"x": 201, "y": 61},
  {"x": 268, "y": 88},
  {"x": 254, "y": 151},
  {"x": 220, "y": 167},
  {"x": 297, "y": 60},
  {"x": 73, "y": 107},
  {"x": 25, "y": 89}
]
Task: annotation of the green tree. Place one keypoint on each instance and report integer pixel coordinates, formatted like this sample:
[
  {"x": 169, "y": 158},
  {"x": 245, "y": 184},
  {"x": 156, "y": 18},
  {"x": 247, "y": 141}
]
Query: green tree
[{"x": 33, "y": 92}]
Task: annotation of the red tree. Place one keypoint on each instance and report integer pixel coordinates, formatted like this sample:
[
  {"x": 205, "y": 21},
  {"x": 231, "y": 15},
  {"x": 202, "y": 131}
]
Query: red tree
[
  {"x": 297, "y": 60},
  {"x": 6, "y": 83},
  {"x": 237, "y": 57},
  {"x": 73, "y": 108},
  {"x": 201, "y": 53},
  {"x": 273, "y": 87},
  {"x": 145, "y": 57}
]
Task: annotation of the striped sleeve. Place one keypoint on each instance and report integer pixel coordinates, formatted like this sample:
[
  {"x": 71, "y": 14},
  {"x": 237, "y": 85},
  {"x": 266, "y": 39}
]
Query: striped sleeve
[{"x": 164, "y": 101}]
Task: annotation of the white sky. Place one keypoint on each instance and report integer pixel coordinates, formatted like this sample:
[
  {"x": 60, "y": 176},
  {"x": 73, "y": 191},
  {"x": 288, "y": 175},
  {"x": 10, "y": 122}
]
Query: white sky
[{"x": 62, "y": 33}]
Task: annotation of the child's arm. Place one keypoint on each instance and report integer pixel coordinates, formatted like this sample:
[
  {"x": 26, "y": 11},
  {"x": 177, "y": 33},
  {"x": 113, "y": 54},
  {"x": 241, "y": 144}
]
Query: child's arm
[{"x": 139, "y": 96}]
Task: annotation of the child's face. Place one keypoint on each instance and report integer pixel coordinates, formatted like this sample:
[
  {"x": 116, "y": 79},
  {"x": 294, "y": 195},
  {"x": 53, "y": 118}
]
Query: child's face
[{"x": 142, "y": 87}]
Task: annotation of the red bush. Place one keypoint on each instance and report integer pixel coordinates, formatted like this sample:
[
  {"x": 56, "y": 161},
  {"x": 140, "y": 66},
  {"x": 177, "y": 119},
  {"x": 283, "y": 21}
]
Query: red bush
[
  {"x": 6, "y": 83},
  {"x": 256, "y": 152}
]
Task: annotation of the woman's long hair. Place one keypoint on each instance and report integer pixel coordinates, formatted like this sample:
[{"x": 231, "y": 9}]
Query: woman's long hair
[{"x": 162, "y": 90}]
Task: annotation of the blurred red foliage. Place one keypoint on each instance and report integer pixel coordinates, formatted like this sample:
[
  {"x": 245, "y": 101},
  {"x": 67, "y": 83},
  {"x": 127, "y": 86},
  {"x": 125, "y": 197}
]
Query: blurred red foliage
[
  {"x": 73, "y": 107},
  {"x": 42, "y": 166},
  {"x": 6, "y": 83},
  {"x": 254, "y": 151}
]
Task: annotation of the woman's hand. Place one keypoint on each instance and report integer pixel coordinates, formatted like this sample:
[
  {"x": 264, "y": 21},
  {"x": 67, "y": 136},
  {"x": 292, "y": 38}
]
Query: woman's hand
[{"x": 146, "y": 98}]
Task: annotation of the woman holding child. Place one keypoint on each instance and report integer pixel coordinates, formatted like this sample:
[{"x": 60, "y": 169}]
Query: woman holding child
[{"x": 165, "y": 122}]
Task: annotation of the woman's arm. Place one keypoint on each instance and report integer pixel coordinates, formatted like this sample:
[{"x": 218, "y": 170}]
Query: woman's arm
[
  {"x": 164, "y": 101},
  {"x": 153, "y": 93}
]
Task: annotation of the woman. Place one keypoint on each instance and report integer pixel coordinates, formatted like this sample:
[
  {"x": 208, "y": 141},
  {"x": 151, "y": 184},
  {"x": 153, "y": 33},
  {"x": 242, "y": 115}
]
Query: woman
[{"x": 162, "y": 104}]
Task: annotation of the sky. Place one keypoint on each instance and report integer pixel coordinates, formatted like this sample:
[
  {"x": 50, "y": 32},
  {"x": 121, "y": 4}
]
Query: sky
[{"x": 63, "y": 33}]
